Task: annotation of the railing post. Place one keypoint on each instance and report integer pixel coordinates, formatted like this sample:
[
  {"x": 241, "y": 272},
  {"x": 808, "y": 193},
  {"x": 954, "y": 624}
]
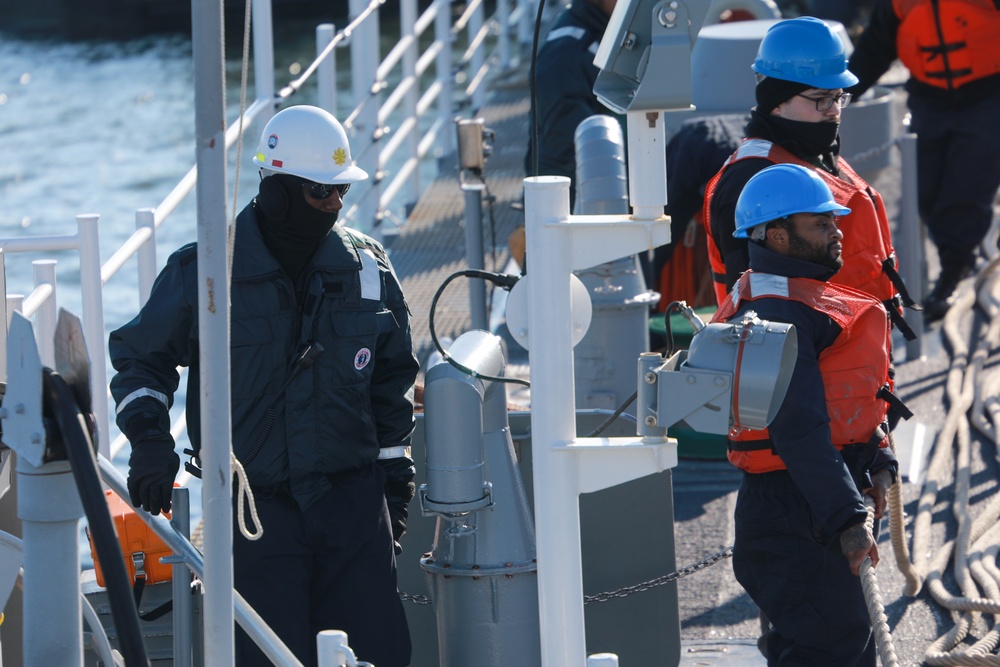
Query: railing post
[
  {"x": 365, "y": 58},
  {"x": 15, "y": 304},
  {"x": 146, "y": 254},
  {"x": 326, "y": 72},
  {"x": 442, "y": 34},
  {"x": 3, "y": 331},
  {"x": 407, "y": 21},
  {"x": 504, "y": 39},
  {"x": 263, "y": 54},
  {"x": 477, "y": 57},
  {"x": 47, "y": 312},
  {"x": 910, "y": 233},
  {"x": 526, "y": 26},
  {"x": 92, "y": 295}
]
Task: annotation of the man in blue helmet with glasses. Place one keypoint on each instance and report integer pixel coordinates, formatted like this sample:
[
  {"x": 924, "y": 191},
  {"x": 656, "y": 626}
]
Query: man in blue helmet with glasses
[
  {"x": 801, "y": 69},
  {"x": 800, "y": 515}
]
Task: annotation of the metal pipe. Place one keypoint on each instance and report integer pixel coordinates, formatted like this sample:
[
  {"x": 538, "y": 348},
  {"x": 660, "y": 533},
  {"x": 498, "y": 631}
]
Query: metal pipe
[
  {"x": 145, "y": 219},
  {"x": 365, "y": 58},
  {"x": 443, "y": 73},
  {"x": 47, "y": 310},
  {"x": 910, "y": 235},
  {"x": 50, "y": 512},
  {"x": 474, "y": 253},
  {"x": 557, "y": 512},
  {"x": 408, "y": 12},
  {"x": 326, "y": 72},
  {"x": 263, "y": 54},
  {"x": 183, "y": 616},
  {"x": 647, "y": 184},
  {"x": 93, "y": 323},
  {"x": 213, "y": 328}
]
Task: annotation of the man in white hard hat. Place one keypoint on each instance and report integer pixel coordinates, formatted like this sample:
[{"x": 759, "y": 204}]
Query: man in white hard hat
[{"x": 322, "y": 377}]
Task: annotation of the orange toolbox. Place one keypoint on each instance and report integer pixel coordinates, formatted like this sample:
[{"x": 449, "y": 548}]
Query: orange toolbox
[{"x": 141, "y": 548}]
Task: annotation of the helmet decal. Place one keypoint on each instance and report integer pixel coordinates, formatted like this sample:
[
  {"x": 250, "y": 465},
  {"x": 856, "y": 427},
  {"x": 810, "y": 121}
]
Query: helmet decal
[
  {"x": 340, "y": 156},
  {"x": 272, "y": 141},
  {"x": 362, "y": 358},
  {"x": 277, "y": 163}
]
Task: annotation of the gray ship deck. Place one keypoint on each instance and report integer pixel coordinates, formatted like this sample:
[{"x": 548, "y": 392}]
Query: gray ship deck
[{"x": 718, "y": 620}]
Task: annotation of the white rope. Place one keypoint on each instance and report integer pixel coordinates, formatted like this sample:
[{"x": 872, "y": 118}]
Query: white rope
[
  {"x": 973, "y": 552},
  {"x": 243, "y": 490},
  {"x": 873, "y": 599}
]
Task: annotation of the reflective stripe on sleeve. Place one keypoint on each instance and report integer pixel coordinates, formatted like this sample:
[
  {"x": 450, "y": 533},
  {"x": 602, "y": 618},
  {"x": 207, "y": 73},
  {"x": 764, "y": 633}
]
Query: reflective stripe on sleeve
[
  {"x": 139, "y": 393},
  {"x": 394, "y": 452}
]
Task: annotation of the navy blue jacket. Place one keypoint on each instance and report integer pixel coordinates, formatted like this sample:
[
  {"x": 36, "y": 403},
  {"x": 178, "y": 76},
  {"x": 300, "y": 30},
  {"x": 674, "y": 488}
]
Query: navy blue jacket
[
  {"x": 336, "y": 415},
  {"x": 800, "y": 431},
  {"x": 565, "y": 74}
]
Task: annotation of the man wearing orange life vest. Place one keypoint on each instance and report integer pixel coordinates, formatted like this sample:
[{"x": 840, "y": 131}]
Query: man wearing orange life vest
[
  {"x": 802, "y": 72},
  {"x": 800, "y": 532},
  {"x": 952, "y": 50}
]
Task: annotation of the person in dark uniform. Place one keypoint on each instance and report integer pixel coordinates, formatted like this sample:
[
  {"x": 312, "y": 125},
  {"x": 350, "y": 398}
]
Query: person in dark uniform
[
  {"x": 800, "y": 517},
  {"x": 953, "y": 55},
  {"x": 564, "y": 78},
  {"x": 322, "y": 375}
]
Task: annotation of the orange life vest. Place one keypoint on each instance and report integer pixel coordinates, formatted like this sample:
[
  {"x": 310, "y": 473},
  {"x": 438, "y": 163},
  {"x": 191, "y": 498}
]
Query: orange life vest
[
  {"x": 868, "y": 253},
  {"x": 948, "y": 43},
  {"x": 855, "y": 367}
]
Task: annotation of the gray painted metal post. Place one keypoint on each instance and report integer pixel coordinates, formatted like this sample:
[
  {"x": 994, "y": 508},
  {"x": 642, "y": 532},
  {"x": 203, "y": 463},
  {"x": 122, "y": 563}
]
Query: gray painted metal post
[
  {"x": 910, "y": 233},
  {"x": 474, "y": 253},
  {"x": 482, "y": 570},
  {"x": 213, "y": 329},
  {"x": 181, "y": 582}
]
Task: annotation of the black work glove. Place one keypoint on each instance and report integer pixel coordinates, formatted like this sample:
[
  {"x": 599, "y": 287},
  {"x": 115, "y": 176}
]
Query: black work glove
[
  {"x": 397, "y": 520},
  {"x": 152, "y": 468},
  {"x": 398, "y": 494}
]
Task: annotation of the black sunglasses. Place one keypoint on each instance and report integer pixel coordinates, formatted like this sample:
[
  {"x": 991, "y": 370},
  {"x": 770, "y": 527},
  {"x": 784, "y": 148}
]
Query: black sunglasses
[{"x": 324, "y": 190}]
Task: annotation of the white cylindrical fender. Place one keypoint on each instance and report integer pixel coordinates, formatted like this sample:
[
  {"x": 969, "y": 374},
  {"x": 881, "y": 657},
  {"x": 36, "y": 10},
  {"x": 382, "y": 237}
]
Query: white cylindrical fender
[{"x": 757, "y": 9}]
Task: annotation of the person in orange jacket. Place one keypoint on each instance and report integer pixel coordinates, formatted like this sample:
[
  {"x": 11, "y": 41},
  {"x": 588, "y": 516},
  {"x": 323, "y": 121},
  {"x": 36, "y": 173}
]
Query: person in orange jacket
[
  {"x": 953, "y": 54},
  {"x": 800, "y": 514},
  {"x": 802, "y": 73}
]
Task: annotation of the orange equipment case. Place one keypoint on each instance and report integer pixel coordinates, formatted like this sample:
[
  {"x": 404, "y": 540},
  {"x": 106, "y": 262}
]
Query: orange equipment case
[{"x": 141, "y": 548}]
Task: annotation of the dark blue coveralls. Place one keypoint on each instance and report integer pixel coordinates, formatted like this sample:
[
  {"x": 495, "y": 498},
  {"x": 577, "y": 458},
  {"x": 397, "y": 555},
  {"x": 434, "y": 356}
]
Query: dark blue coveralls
[
  {"x": 787, "y": 552},
  {"x": 337, "y": 443}
]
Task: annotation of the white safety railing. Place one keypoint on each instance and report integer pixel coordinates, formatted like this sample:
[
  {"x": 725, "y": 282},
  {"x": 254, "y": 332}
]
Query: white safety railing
[
  {"x": 404, "y": 105},
  {"x": 403, "y": 109}
]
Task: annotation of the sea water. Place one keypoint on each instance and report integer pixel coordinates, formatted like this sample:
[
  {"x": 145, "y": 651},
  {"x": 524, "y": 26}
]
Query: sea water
[{"x": 108, "y": 128}]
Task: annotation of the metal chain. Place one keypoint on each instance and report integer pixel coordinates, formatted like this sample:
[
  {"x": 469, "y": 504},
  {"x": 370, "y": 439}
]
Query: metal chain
[
  {"x": 627, "y": 590},
  {"x": 659, "y": 581},
  {"x": 871, "y": 153},
  {"x": 415, "y": 599}
]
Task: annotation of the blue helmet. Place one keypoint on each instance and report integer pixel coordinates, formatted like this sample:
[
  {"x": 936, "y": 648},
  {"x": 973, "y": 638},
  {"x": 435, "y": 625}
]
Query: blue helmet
[
  {"x": 781, "y": 190},
  {"x": 804, "y": 50}
]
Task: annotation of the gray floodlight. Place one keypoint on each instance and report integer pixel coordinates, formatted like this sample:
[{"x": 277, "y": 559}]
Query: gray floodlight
[
  {"x": 732, "y": 374},
  {"x": 645, "y": 55}
]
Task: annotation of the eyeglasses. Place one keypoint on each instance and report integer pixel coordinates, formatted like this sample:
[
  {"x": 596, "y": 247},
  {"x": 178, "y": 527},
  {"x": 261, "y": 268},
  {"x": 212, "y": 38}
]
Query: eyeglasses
[
  {"x": 826, "y": 102},
  {"x": 324, "y": 190}
]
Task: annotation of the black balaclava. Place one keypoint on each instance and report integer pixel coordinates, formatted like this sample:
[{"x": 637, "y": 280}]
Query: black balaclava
[
  {"x": 809, "y": 140},
  {"x": 292, "y": 229}
]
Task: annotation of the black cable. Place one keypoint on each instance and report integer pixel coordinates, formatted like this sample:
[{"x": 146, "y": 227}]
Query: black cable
[
  {"x": 617, "y": 413},
  {"x": 669, "y": 334},
  {"x": 502, "y": 280},
  {"x": 80, "y": 453}
]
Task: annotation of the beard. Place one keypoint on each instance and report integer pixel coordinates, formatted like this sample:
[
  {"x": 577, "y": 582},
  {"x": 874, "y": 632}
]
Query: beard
[{"x": 823, "y": 254}]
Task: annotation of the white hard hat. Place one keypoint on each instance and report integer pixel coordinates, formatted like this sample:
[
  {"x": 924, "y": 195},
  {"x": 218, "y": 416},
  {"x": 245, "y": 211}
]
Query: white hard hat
[{"x": 309, "y": 142}]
